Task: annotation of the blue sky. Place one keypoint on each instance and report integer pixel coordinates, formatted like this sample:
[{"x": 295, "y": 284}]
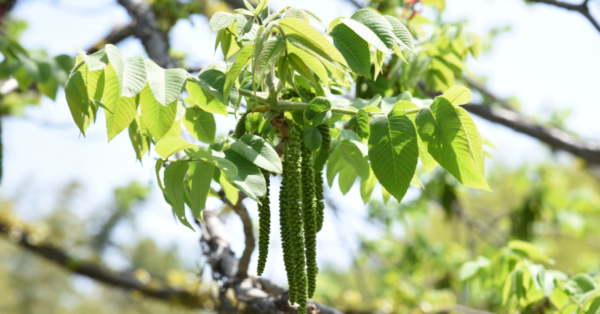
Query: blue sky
[{"x": 549, "y": 60}]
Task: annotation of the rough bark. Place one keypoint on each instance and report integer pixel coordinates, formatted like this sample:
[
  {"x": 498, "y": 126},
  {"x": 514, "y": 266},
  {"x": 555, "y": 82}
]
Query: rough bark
[{"x": 145, "y": 27}]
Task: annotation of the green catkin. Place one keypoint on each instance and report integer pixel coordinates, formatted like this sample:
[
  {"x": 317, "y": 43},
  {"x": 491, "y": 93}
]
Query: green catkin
[
  {"x": 319, "y": 200},
  {"x": 309, "y": 217},
  {"x": 295, "y": 222},
  {"x": 326, "y": 135},
  {"x": 326, "y": 147},
  {"x": 264, "y": 222},
  {"x": 240, "y": 127},
  {"x": 284, "y": 211}
]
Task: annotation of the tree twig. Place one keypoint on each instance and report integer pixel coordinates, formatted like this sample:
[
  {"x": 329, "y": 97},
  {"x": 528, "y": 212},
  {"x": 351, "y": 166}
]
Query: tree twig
[
  {"x": 557, "y": 139},
  {"x": 582, "y": 8},
  {"x": 487, "y": 93}
]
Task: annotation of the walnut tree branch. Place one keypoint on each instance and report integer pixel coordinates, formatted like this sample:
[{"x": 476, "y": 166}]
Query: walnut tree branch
[
  {"x": 557, "y": 139},
  {"x": 262, "y": 295},
  {"x": 115, "y": 36},
  {"x": 582, "y": 8},
  {"x": 145, "y": 27},
  {"x": 124, "y": 280},
  {"x": 250, "y": 240}
]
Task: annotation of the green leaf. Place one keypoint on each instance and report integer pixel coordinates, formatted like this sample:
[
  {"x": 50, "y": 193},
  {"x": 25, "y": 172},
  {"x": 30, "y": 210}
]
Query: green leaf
[
  {"x": 119, "y": 111},
  {"x": 229, "y": 44},
  {"x": 314, "y": 16},
  {"x": 156, "y": 117},
  {"x": 362, "y": 123},
  {"x": 157, "y": 167},
  {"x": 221, "y": 20},
  {"x": 241, "y": 60},
  {"x": 366, "y": 186},
  {"x": 594, "y": 307},
  {"x": 334, "y": 162},
  {"x": 584, "y": 283},
  {"x": 528, "y": 250},
  {"x": 312, "y": 138},
  {"x": 95, "y": 61},
  {"x": 379, "y": 57},
  {"x": 401, "y": 32},
  {"x": 94, "y": 81},
  {"x": 379, "y": 32},
  {"x": 48, "y": 88},
  {"x": 405, "y": 95},
  {"x": 312, "y": 62},
  {"x": 394, "y": 151},
  {"x": 139, "y": 141},
  {"x": 387, "y": 104},
  {"x": 231, "y": 192},
  {"x": 448, "y": 141},
  {"x": 201, "y": 154},
  {"x": 175, "y": 130},
  {"x": 416, "y": 182},
  {"x": 214, "y": 80},
  {"x": 296, "y": 13},
  {"x": 303, "y": 36},
  {"x": 427, "y": 160},
  {"x": 355, "y": 156},
  {"x": 469, "y": 269},
  {"x": 131, "y": 72},
  {"x": 256, "y": 150},
  {"x": 249, "y": 6},
  {"x": 299, "y": 66},
  {"x": 385, "y": 195},
  {"x": 458, "y": 95},
  {"x": 200, "y": 124},
  {"x": 202, "y": 173},
  {"x": 354, "y": 49},
  {"x": 205, "y": 100},
  {"x": 166, "y": 85},
  {"x": 169, "y": 146},
  {"x": 262, "y": 4},
  {"x": 347, "y": 178},
  {"x": 270, "y": 53},
  {"x": 250, "y": 179},
  {"x": 81, "y": 108},
  {"x": 317, "y": 106},
  {"x": 174, "y": 176}
]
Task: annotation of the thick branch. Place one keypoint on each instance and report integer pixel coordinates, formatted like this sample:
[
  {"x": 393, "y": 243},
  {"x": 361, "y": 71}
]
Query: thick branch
[
  {"x": 124, "y": 280},
  {"x": 264, "y": 296},
  {"x": 556, "y": 138},
  {"x": 487, "y": 93},
  {"x": 145, "y": 27},
  {"x": 115, "y": 36},
  {"x": 581, "y": 8}
]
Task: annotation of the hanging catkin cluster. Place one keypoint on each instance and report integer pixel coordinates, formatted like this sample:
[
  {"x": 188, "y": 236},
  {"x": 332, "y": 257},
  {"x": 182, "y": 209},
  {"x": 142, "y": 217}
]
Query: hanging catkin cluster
[
  {"x": 264, "y": 222},
  {"x": 320, "y": 205},
  {"x": 309, "y": 208},
  {"x": 240, "y": 127},
  {"x": 292, "y": 223}
]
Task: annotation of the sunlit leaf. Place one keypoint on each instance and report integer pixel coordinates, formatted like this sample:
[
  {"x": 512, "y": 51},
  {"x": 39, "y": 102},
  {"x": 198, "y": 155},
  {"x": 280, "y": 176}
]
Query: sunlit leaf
[{"x": 393, "y": 151}]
